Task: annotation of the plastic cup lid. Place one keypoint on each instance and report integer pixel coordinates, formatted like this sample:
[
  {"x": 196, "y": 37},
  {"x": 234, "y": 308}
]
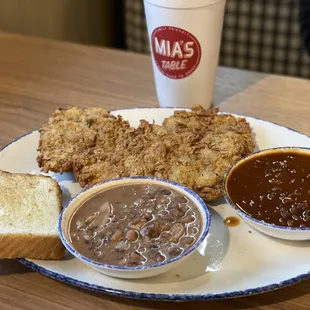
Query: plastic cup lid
[{"x": 183, "y": 4}]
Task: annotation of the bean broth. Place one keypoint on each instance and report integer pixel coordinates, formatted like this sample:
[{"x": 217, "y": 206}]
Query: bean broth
[{"x": 135, "y": 224}]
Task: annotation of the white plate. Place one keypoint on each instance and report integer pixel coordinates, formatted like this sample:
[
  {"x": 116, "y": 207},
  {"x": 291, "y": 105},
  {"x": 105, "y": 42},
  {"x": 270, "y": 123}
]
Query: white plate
[{"x": 233, "y": 262}]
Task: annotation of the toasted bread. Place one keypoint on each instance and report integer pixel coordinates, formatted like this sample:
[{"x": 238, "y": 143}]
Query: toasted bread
[{"x": 29, "y": 209}]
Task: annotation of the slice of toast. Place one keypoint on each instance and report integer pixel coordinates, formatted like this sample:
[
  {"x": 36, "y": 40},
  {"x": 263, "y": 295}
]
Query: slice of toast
[{"x": 29, "y": 209}]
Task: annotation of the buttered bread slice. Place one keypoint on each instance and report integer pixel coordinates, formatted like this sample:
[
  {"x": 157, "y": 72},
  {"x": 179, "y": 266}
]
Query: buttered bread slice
[{"x": 29, "y": 209}]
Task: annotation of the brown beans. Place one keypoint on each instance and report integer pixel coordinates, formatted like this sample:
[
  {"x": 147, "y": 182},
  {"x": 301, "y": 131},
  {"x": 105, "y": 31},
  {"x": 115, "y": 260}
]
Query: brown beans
[
  {"x": 132, "y": 229},
  {"x": 163, "y": 227},
  {"x": 187, "y": 240},
  {"x": 165, "y": 192},
  {"x": 166, "y": 235},
  {"x": 137, "y": 223},
  {"x": 182, "y": 209},
  {"x": 118, "y": 235},
  {"x": 159, "y": 258},
  {"x": 188, "y": 219},
  {"x": 155, "y": 231},
  {"x": 175, "y": 251},
  {"x": 135, "y": 259},
  {"x": 131, "y": 235},
  {"x": 147, "y": 215},
  {"x": 180, "y": 199},
  {"x": 163, "y": 201}
]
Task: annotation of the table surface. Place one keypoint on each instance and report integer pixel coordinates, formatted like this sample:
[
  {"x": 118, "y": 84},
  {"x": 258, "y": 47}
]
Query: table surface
[{"x": 37, "y": 76}]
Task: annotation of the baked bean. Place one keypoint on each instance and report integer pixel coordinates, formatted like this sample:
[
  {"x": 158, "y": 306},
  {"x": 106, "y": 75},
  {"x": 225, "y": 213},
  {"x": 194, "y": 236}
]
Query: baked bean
[{"x": 283, "y": 204}]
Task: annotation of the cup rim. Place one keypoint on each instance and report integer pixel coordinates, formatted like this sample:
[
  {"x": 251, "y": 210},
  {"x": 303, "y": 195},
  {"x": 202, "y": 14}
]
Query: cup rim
[
  {"x": 245, "y": 215},
  {"x": 203, "y": 209},
  {"x": 185, "y": 4}
]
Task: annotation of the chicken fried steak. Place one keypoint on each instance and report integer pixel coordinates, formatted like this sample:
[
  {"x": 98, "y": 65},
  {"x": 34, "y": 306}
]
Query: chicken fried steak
[{"x": 194, "y": 148}]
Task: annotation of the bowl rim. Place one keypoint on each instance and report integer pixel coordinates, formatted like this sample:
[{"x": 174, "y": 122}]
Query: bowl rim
[
  {"x": 190, "y": 193},
  {"x": 245, "y": 215}
]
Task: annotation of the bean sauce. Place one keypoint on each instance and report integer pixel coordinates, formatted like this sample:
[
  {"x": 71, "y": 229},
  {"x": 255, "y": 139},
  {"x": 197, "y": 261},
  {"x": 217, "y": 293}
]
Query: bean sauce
[
  {"x": 231, "y": 221},
  {"x": 274, "y": 188},
  {"x": 135, "y": 224}
]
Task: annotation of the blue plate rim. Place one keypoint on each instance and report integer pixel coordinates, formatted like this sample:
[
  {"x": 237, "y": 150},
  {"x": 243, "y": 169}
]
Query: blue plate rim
[
  {"x": 154, "y": 296},
  {"x": 162, "y": 297}
]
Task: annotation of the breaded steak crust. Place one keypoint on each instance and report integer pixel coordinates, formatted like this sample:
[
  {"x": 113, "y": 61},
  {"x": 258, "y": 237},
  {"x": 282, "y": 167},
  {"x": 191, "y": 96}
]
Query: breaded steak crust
[
  {"x": 73, "y": 131},
  {"x": 194, "y": 148}
]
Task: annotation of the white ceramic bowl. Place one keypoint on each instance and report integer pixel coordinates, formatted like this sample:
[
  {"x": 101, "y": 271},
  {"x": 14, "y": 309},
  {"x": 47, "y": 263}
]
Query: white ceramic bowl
[
  {"x": 281, "y": 232},
  {"x": 137, "y": 271}
]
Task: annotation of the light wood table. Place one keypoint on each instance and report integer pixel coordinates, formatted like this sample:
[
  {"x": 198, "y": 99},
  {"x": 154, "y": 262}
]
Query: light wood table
[{"x": 37, "y": 76}]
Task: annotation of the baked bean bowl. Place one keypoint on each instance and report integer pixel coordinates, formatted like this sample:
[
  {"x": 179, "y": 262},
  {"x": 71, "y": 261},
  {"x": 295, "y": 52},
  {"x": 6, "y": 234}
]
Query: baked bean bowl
[
  {"x": 270, "y": 190},
  {"x": 134, "y": 227}
]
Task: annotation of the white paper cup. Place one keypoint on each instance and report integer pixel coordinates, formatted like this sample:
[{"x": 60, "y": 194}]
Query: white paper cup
[{"x": 185, "y": 37}]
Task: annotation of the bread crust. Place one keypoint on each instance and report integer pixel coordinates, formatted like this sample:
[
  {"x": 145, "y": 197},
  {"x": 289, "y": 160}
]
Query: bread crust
[{"x": 31, "y": 246}]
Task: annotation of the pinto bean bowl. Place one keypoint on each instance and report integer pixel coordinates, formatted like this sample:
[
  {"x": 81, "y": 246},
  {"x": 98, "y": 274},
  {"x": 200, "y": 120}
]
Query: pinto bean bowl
[{"x": 134, "y": 227}]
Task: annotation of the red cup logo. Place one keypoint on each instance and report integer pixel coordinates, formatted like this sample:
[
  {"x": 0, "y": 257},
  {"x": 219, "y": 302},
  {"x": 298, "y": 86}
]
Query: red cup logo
[{"x": 176, "y": 52}]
